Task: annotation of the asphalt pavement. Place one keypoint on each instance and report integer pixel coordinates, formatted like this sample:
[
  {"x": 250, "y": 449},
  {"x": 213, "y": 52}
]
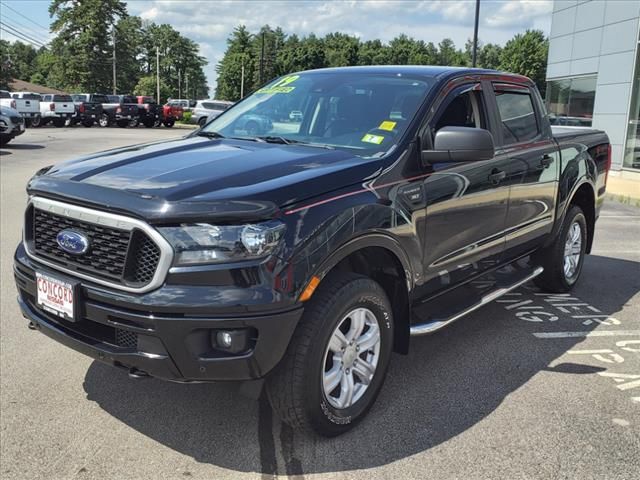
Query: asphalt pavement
[{"x": 532, "y": 386}]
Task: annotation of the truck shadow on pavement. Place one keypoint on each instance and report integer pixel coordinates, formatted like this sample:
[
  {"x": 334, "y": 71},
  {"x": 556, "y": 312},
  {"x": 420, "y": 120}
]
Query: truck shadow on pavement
[{"x": 447, "y": 384}]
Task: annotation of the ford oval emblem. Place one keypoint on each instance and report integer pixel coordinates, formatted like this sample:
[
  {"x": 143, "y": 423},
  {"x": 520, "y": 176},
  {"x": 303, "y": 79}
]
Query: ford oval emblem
[{"x": 72, "y": 242}]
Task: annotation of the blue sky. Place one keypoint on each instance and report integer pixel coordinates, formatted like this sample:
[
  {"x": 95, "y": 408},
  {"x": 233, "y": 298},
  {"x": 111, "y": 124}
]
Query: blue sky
[{"x": 209, "y": 22}]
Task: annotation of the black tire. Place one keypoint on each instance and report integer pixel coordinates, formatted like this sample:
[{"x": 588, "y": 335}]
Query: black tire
[
  {"x": 87, "y": 123},
  {"x": 149, "y": 123},
  {"x": 59, "y": 122},
  {"x": 202, "y": 121},
  {"x": 123, "y": 123},
  {"x": 552, "y": 258},
  {"x": 134, "y": 123},
  {"x": 36, "y": 122},
  {"x": 104, "y": 120},
  {"x": 4, "y": 139},
  {"x": 27, "y": 123},
  {"x": 169, "y": 123},
  {"x": 294, "y": 387}
]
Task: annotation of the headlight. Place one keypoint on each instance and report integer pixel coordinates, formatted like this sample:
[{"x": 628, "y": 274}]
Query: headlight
[{"x": 204, "y": 243}]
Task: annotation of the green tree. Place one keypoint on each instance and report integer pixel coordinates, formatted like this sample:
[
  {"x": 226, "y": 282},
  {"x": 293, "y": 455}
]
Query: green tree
[
  {"x": 526, "y": 54},
  {"x": 489, "y": 56},
  {"x": 239, "y": 53},
  {"x": 450, "y": 56},
  {"x": 147, "y": 86},
  {"x": 7, "y": 66},
  {"x": 82, "y": 45},
  {"x": 341, "y": 50},
  {"x": 129, "y": 37},
  {"x": 373, "y": 52}
]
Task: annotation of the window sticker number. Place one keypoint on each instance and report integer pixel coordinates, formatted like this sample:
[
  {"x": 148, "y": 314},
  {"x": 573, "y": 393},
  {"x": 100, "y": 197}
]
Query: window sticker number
[{"x": 282, "y": 86}]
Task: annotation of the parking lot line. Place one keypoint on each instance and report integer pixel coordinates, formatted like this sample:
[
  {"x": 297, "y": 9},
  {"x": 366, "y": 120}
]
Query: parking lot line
[{"x": 596, "y": 333}]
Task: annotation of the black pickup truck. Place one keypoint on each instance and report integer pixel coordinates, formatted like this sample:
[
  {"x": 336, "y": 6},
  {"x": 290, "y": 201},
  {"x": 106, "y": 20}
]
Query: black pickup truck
[
  {"x": 121, "y": 110},
  {"x": 88, "y": 108},
  {"x": 149, "y": 111},
  {"x": 402, "y": 199}
]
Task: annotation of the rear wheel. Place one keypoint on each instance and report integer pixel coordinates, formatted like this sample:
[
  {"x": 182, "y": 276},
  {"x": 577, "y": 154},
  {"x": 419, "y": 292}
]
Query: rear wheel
[
  {"x": 59, "y": 122},
  {"x": 337, "y": 359},
  {"x": 563, "y": 259},
  {"x": 202, "y": 121},
  {"x": 36, "y": 122},
  {"x": 103, "y": 121},
  {"x": 169, "y": 123},
  {"x": 87, "y": 123},
  {"x": 149, "y": 123}
]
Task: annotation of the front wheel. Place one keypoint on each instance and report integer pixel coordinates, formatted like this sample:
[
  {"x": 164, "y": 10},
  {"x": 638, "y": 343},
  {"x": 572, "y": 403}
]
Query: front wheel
[
  {"x": 169, "y": 123},
  {"x": 337, "y": 359},
  {"x": 36, "y": 121},
  {"x": 563, "y": 259},
  {"x": 87, "y": 123}
]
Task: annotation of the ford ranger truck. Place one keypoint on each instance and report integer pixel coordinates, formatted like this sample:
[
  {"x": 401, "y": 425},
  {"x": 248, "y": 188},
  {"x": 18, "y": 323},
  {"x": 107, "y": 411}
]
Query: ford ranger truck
[{"x": 299, "y": 260}]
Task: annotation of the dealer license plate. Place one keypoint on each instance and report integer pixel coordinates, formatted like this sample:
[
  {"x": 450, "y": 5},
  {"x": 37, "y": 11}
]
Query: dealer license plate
[{"x": 55, "y": 296}]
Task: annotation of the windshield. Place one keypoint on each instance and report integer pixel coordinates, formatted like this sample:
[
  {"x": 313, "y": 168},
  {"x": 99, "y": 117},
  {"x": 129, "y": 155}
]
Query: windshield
[{"x": 361, "y": 112}]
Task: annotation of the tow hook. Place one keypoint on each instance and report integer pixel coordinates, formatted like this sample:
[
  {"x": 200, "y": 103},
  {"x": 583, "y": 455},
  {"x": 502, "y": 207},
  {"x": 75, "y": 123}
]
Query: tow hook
[
  {"x": 32, "y": 326},
  {"x": 138, "y": 374}
]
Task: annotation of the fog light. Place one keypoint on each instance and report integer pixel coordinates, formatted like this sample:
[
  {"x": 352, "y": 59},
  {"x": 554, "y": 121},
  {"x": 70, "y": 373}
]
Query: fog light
[
  {"x": 224, "y": 339},
  {"x": 231, "y": 341}
]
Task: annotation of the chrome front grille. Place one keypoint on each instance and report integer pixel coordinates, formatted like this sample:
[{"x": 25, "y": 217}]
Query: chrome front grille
[{"x": 124, "y": 252}]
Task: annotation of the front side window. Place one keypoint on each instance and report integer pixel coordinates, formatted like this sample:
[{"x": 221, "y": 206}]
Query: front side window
[
  {"x": 361, "y": 112},
  {"x": 517, "y": 116},
  {"x": 466, "y": 109}
]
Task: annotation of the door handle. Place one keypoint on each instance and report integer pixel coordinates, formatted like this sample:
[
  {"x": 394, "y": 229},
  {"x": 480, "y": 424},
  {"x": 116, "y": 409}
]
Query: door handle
[
  {"x": 546, "y": 160},
  {"x": 497, "y": 176}
]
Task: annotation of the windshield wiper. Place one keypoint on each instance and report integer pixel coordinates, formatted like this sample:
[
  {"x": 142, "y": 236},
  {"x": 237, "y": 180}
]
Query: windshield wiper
[
  {"x": 209, "y": 134},
  {"x": 290, "y": 141}
]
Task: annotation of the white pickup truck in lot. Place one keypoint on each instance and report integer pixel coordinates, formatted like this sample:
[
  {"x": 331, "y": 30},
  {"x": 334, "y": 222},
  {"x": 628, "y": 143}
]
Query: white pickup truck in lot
[
  {"x": 55, "y": 108},
  {"x": 28, "y": 104}
]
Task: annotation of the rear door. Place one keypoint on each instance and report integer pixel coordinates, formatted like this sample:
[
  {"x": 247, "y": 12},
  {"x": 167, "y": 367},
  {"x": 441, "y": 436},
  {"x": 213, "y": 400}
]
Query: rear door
[
  {"x": 467, "y": 201},
  {"x": 533, "y": 166}
]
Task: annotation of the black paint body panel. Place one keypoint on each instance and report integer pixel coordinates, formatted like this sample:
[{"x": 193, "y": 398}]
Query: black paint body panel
[{"x": 443, "y": 224}]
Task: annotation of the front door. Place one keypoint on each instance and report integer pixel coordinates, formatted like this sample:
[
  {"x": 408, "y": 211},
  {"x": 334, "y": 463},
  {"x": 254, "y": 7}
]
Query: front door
[{"x": 466, "y": 202}]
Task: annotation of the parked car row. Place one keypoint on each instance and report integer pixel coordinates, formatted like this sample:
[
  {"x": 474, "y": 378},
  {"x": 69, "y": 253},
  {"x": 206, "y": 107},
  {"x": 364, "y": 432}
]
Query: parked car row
[{"x": 89, "y": 109}]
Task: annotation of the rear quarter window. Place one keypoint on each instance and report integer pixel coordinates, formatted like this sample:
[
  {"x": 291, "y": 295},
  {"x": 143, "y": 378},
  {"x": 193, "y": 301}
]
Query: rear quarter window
[{"x": 517, "y": 116}]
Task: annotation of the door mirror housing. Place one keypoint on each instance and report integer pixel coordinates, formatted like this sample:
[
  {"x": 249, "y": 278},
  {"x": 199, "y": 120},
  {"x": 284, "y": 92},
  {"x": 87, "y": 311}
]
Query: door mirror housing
[{"x": 460, "y": 144}]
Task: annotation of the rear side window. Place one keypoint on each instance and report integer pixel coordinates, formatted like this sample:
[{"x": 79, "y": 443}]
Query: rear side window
[
  {"x": 209, "y": 105},
  {"x": 517, "y": 116}
]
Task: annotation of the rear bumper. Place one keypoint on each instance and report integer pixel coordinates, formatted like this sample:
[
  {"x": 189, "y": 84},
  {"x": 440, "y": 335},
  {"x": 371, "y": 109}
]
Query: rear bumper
[{"x": 173, "y": 346}]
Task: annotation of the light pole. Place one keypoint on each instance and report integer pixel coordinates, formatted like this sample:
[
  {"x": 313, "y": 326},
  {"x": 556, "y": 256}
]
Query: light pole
[
  {"x": 158, "y": 74},
  {"x": 475, "y": 35}
]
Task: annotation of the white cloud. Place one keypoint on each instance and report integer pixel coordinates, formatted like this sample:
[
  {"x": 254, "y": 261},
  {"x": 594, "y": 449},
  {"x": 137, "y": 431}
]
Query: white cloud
[{"x": 210, "y": 22}]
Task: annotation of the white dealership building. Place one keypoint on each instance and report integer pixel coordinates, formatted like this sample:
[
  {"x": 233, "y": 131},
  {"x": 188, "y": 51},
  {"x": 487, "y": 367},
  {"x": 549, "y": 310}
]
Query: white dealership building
[{"x": 593, "y": 72}]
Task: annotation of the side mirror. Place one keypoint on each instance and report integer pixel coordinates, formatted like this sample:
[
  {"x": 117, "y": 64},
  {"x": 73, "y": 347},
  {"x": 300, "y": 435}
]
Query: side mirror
[{"x": 460, "y": 144}]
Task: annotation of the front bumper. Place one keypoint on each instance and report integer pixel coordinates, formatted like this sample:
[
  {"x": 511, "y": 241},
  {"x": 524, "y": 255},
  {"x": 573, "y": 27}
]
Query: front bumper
[{"x": 172, "y": 345}]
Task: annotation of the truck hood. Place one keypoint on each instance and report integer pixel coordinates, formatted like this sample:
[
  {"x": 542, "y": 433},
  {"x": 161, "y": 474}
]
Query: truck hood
[{"x": 195, "y": 177}]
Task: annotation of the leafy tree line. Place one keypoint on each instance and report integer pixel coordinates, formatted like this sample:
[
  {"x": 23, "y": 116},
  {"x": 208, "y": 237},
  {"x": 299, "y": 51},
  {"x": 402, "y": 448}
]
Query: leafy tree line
[
  {"x": 525, "y": 54},
  {"x": 79, "y": 58}
]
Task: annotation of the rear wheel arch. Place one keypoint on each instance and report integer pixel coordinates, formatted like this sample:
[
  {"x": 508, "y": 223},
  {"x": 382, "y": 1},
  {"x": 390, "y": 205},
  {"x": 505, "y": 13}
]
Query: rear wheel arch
[
  {"x": 381, "y": 258},
  {"x": 584, "y": 197}
]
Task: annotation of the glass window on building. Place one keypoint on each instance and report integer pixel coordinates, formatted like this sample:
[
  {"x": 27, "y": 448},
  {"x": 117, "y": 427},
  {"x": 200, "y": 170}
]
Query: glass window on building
[
  {"x": 632, "y": 146},
  {"x": 570, "y": 101}
]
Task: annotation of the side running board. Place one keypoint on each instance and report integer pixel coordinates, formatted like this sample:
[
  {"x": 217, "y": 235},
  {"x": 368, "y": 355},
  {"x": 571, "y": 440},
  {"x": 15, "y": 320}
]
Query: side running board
[{"x": 435, "y": 325}]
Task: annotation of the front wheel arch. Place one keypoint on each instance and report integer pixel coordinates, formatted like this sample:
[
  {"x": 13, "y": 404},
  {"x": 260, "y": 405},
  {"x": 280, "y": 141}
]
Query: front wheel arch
[{"x": 381, "y": 258}]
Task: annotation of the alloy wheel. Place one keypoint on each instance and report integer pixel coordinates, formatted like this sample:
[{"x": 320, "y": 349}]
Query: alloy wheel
[{"x": 351, "y": 358}]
